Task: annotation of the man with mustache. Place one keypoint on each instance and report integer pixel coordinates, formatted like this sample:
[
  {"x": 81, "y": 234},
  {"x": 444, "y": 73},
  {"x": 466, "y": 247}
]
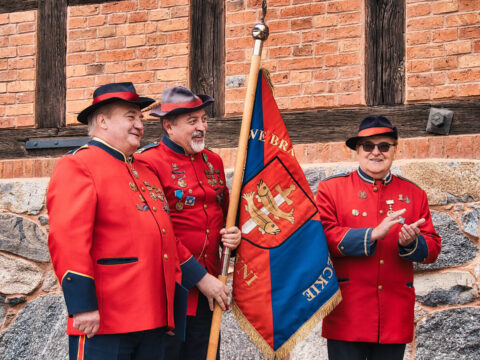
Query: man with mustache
[
  {"x": 111, "y": 240},
  {"x": 194, "y": 181},
  {"x": 376, "y": 224}
]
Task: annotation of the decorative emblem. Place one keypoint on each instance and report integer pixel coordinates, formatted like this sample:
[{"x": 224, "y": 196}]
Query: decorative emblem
[
  {"x": 133, "y": 186},
  {"x": 390, "y": 206},
  {"x": 355, "y": 212},
  {"x": 264, "y": 196},
  {"x": 190, "y": 200},
  {"x": 364, "y": 214},
  {"x": 142, "y": 199},
  {"x": 179, "y": 195},
  {"x": 264, "y": 223},
  {"x": 142, "y": 207},
  {"x": 134, "y": 172},
  {"x": 362, "y": 194}
]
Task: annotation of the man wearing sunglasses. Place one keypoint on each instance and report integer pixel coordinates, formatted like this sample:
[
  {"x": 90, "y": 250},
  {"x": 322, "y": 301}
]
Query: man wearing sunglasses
[{"x": 377, "y": 224}]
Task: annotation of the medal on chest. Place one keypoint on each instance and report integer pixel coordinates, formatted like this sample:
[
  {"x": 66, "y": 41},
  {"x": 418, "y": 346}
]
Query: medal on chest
[{"x": 179, "y": 176}]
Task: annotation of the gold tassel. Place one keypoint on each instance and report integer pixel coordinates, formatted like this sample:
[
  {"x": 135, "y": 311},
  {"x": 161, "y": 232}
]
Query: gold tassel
[
  {"x": 296, "y": 338},
  {"x": 266, "y": 73},
  {"x": 150, "y": 107}
]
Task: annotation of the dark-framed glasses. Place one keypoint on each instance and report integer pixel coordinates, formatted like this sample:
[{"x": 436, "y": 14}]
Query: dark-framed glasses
[{"x": 382, "y": 147}]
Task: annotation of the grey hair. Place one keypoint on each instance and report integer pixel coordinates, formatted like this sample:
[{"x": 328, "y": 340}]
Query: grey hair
[
  {"x": 92, "y": 118},
  {"x": 172, "y": 119}
]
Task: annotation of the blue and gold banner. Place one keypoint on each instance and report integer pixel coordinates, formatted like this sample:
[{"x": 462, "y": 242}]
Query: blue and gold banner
[{"x": 283, "y": 282}]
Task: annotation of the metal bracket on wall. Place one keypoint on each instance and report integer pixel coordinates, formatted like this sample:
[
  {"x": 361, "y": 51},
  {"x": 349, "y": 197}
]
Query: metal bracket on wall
[
  {"x": 53, "y": 143},
  {"x": 439, "y": 121}
]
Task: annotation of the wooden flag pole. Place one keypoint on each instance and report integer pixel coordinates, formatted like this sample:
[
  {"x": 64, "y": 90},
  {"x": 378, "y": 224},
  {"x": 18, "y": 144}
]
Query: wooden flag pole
[{"x": 260, "y": 34}]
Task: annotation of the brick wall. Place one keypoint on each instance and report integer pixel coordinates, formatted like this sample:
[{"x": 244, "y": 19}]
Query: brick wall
[
  {"x": 437, "y": 147},
  {"x": 143, "y": 41},
  {"x": 314, "y": 52},
  {"x": 443, "y": 49},
  {"x": 17, "y": 69}
]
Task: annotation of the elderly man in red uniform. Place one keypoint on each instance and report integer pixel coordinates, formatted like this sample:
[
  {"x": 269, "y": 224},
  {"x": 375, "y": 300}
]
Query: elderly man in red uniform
[
  {"x": 377, "y": 224},
  {"x": 111, "y": 239},
  {"x": 194, "y": 182}
]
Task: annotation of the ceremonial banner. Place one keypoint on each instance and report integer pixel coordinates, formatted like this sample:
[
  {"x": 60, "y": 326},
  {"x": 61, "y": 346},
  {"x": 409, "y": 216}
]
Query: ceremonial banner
[{"x": 283, "y": 282}]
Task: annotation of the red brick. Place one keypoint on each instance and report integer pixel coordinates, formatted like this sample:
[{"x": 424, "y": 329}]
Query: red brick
[
  {"x": 301, "y": 76},
  {"x": 240, "y": 43},
  {"x": 350, "y": 99},
  {"x": 313, "y": 36},
  {"x": 156, "y": 64},
  {"x": 171, "y": 75},
  {"x": 343, "y": 6},
  {"x": 342, "y": 60},
  {"x": 8, "y": 168},
  {"x": 24, "y": 39},
  {"x": 114, "y": 43},
  {"x": 465, "y": 146},
  {"x": 26, "y": 50},
  {"x": 178, "y": 37},
  {"x": 146, "y": 52},
  {"x": 4, "y": 19},
  {"x": 76, "y": 59},
  {"x": 416, "y": 94},
  {"x": 95, "y": 44},
  {"x": 444, "y": 92},
  {"x": 284, "y": 39},
  {"x": 476, "y": 46},
  {"x": 7, "y": 29},
  {"x": 167, "y": 3},
  {"x": 7, "y": 99},
  {"x": 157, "y": 39},
  {"x": 137, "y": 16},
  {"x": 469, "y": 32},
  {"x": 324, "y": 21},
  {"x": 235, "y": 94},
  {"x": 469, "y": 5},
  {"x": 84, "y": 10},
  {"x": 147, "y": 4},
  {"x": 344, "y": 32},
  {"x": 476, "y": 147},
  {"x": 315, "y": 88},
  {"x": 303, "y": 10},
  {"x": 15, "y": 110},
  {"x": 136, "y": 65},
  {"x": 446, "y": 63},
  {"x": 426, "y": 79},
  {"x": 467, "y": 61},
  {"x": 349, "y": 85},
  {"x": 76, "y": 70},
  {"x": 115, "y": 19},
  {"x": 96, "y": 20},
  {"x": 118, "y": 7},
  {"x": 180, "y": 11},
  {"x": 302, "y": 23},
  {"x": 106, "y": 31},
  {"x": 10, "y": 75},
  {"x": 150, "y": 28},
  {"x": 26, "y": 27},
  {"x": 350, "y": 18},
  {"x": 8, "y": 52},
  {"x": 469, "y": 90},
  {"x": 296, "y": 64},
  {"x": 235, "y": 69},
  {"x": 77, "y": 22},
  {"x": 350, "y": 72},
  {"x": 419, "y": 66},
  {"x": 173, "y": 24},
  {"x": 276, "y": 26},
  {"x": 326, "y": 48},
  {"x": 425, "y": 52},
  {"x": 444, "y": 35},
  {"x": 422, "y": 148},
  {"x": 459, "y": 47},
  {"x": 22, "y": 16},
  {"x": 464, "y": 76},
  {"x": 418, "y": 37},
  {"x": 20, "y": 86},
  {"x": 287, "y": 90},
  {"x": 25, "y": 121},
  {"x": 82, "y": 34},
  {"x": 442, "y": 7},
  {"x": 75, "y": 94},
  {"x": 418, "y": 10},
  {"x": 81, "y": 82},
  {"x": 130, "y": 29},
  {"x": 273, "y": 53},
  {"x": 305, "y": 50},
  {"x": 428, "y": 23},
  {"x": 115, "y": 55},
  {"x": 458, "y": 20},
  {"x": 95, "y": 69},
  {"x": 76, "y": 46},
  {"x": 138, "y": 78},
  {"x": 301, "y": 102},
  {"x": 349, "y": 45},
  {"x": 339, "y": 152},
  {"x": 325, "y": 74},
  {"x": 451, "y": 147},
  {"x": 26, "y": 74}
]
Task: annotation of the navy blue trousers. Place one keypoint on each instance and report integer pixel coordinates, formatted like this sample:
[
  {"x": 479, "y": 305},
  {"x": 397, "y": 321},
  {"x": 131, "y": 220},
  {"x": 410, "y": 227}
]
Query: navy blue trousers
[
  {"x": 140, "y": 345},
  {"x": 195, "y": 346},
  {"x": 350, "y": 350}
]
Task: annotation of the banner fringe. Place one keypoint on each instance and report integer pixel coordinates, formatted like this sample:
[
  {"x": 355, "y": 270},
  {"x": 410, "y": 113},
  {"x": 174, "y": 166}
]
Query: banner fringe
[
  {"x": 296, "y": 338},
  {"x": 268, "y": 78}
]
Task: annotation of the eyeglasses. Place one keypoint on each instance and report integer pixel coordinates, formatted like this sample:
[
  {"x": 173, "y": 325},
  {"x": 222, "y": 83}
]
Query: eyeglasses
[{"x": 382, "y": 147}]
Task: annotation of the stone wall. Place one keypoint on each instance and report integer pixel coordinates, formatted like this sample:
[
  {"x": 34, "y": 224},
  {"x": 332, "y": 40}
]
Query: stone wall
[{"x": 32, "y": 311}]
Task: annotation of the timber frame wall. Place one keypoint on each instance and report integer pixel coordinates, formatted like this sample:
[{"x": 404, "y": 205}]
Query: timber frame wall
[{"x": 384, "y": 80}]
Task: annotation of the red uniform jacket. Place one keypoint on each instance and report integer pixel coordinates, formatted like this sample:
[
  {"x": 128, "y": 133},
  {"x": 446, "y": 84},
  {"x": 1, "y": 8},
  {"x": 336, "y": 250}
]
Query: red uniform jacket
[
  {"x": 111, "y": 240},
  {"x": 198, "y": 197},
  {"x": 376, "y": 279}
]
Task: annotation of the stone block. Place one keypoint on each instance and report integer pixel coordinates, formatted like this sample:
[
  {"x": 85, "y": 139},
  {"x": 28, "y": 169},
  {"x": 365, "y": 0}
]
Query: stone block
[
  {"x": 23, "y": 237},
  {"x": 470, "y": 222},
  {"x": 451, "y": 334},
  {"x": 18, "y": 276},
  {"x": 449, "y": 288},
  {"x": 457, "y": 249},
  {"x": 50, "y": 283},
  {"x": 37, "y": 332},
  {"x": 23, "y": 195}
]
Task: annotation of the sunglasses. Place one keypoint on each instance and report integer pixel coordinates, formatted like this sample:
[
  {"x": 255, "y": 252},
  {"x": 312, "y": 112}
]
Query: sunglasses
[{"x": 382, "y": 147}]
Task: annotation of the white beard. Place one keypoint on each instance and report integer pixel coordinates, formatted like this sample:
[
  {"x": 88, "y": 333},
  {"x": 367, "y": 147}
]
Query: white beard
[{"x": 197, "y": 146}]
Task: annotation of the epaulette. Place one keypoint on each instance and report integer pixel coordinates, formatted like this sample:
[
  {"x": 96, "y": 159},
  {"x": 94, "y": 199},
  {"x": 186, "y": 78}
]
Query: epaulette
[
  {"x": 336, "y": 175},
  {"x": 147, "y": 147},
  {"x": 410, "y": 181},
  {"x": 74, "y": 151}
]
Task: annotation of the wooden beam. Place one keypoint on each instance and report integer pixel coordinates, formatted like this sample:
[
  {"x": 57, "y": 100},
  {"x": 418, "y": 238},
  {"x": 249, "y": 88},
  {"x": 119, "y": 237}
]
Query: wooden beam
[
  {"x": 207, "y": 52},
  {"x": 304, "y": 127},
  {"x": 385, "y": 52},
  {"x": 51, "y": 84}
]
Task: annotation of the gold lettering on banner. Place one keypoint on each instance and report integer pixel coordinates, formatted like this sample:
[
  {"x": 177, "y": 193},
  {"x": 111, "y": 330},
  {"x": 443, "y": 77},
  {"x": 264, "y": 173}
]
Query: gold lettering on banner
[
  {"x": 319, "y": 284},
  {"x": 242, "y": 269},
  {"x": 275, "y": 140}
]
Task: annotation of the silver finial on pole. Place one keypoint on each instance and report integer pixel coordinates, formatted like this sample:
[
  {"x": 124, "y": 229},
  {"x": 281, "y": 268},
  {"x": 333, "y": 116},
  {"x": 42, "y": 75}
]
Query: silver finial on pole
[{"x": 260, "y": 31}]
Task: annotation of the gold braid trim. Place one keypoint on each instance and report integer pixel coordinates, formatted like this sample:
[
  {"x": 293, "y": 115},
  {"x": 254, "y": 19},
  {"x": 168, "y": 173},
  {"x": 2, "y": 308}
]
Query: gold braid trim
[
  {"x": 150, "y": 107},
  {"x": 295, "y": 339}
]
